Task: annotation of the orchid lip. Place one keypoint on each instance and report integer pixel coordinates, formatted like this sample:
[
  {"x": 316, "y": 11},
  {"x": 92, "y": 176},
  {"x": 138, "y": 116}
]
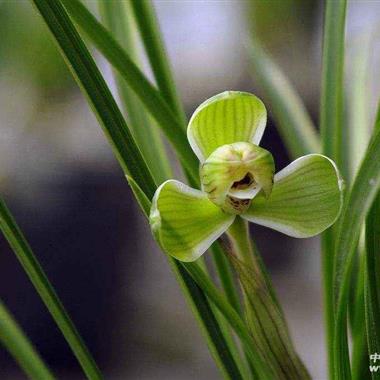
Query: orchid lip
[{"x": 246, "y": 188}]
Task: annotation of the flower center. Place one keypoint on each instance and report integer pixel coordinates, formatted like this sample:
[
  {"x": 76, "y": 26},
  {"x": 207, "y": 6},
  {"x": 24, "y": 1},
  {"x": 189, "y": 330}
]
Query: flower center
[{"x": 234, "y": 173}]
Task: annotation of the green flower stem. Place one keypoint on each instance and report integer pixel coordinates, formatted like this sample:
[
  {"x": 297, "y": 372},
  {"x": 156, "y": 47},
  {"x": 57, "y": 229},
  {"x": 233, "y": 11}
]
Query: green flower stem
[
  {"x": 116, "y": 15},
  {"x": 331, "y": 123},
  {"x": 265, "y": 320},
  {"x": 154, "y": 46},
  {"x": 19, "y": 346},
  {"x": 47, "y": 293}
]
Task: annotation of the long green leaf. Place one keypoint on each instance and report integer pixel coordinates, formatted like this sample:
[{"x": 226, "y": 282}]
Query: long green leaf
[
  {"x": 41, "y": 283},
  {"x": 294, "y": 123},
  {"x": 331, "y": 116},
  {"x": 357, "y": 205},
  {"x": 356, "y": 309},
  {"x": 331, "y": 119},
  {"x": 372, "y": 282},
  {"x": 117, "y": 16},
  {"x": 86, "y": 72},
  {"x": 19, "y": 346},
  {"x": 225, "y": 275},
  {"x": 147, "y": 94},
  {"x": 154, "y": 46},
  {"x": 356, "y": 135},
  {"x": 210, "y": 326},
  {"x": 99, "y": 96}
]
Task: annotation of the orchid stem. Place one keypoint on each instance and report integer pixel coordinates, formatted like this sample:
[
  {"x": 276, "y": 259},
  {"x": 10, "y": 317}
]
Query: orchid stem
[{"x": 264, "y": 316}]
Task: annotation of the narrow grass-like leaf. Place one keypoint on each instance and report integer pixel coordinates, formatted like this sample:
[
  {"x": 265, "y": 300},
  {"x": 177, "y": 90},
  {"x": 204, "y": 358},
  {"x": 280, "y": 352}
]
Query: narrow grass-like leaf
[
  {"x": 144, "y": 203},
  {"x": 154, "y": 46},
  {"x": 118, "y": 18},
  {"x": 147, "y": 94},
  {"x": 358, "y": 100},
  {"x": 226, "y": 276},
  {"x": 356, "y": 135},
  {"x": 372, "y": 282},
  {"x": 41, "y": 283},
  {"x": 331, "y": 127},
  {"x": 294, "y": 123},
  {"x": 357, "y": 205},
  {"x": 331, "y": 116},
  {"x": 360, "y": 358},
  {"x": 99, "y": 96},
  {"x": 210, "y": 326},
  {"x": 19, "y": 346}
]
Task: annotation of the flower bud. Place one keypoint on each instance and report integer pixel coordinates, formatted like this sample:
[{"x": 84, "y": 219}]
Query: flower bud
[{"x": 234, "y": 173}]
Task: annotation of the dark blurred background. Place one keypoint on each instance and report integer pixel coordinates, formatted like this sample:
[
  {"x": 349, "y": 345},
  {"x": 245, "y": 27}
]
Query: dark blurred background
[{"x": 62, "y": 183}]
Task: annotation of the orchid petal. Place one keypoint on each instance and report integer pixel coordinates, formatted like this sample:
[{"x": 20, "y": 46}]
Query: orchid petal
[
  {"x": 184, "y": 221},
  {"x": 229, "y": 117},
  {"x": 306, "y": 198}
]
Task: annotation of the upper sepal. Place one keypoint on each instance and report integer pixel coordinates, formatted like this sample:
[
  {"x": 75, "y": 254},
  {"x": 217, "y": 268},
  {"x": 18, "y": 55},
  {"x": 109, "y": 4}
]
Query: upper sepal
[
  {"x": 306, "y": 199},
  {"x": 184, "y": 221},
  {"x": 229, "y": 117}
]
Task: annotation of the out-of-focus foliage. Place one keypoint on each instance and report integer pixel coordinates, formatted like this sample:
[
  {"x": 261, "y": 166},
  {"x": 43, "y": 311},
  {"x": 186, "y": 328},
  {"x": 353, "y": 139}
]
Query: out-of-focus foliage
[{"x": 27, "y": 48}]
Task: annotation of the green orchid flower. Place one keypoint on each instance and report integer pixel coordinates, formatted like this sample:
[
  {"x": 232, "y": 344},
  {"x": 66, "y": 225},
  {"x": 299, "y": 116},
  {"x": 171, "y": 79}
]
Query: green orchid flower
[{"x": 238, "y": 179}]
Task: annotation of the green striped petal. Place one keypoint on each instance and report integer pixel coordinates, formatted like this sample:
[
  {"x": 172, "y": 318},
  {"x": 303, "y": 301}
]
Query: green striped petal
[
  {"x": 306, "y": 198},
  {"x": 229, "y": 117},
  {"x": 184, "y": 221}
]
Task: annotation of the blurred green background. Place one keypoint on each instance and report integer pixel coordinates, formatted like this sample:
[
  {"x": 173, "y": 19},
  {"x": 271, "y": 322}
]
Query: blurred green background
[{"x": 66, "y": 190}]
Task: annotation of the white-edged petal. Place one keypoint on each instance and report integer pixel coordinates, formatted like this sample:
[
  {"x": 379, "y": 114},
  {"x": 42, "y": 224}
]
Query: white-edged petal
[
  {"x": 306, "y": 198},
  {"x": 226, "y": 118},
  {"x": 184, "y": 221}
]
